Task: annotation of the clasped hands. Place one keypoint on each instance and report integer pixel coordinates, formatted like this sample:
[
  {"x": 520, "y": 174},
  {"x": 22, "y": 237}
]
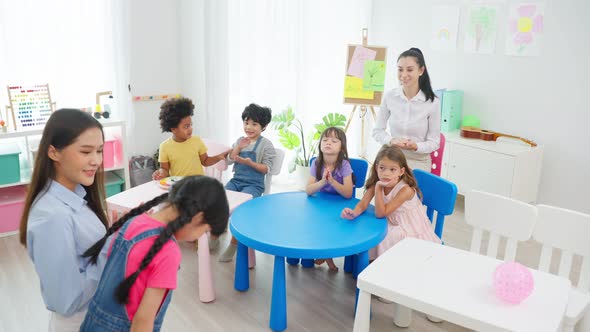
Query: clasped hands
[
  {"x": 244, "y": 142},
  {"x": 404, "y": 143}
]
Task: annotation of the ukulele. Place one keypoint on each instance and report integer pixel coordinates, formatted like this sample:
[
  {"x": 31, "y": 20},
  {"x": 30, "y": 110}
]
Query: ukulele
[{"x": 487, "y": 135}]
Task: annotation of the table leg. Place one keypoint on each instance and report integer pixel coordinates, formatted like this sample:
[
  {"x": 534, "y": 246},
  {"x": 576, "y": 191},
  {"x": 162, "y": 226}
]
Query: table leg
[
  {"x": 355, "y": 262},
  {"x": 307, "y": 262},
  {"x": 278, "y": 306},
  {"x": 206, "y": 288},
  {"x": 362, "y": 261},
  {"x": 362, "y": 319},
  {"x": 241, "y": 277},
  {"x": 348, "y": 264},
  {"x": 292, "y": 261},
  {"x": 402, "y": 315}
]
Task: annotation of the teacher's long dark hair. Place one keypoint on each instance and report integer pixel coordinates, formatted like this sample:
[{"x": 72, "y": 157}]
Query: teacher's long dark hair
[
  {"x": 424, "y": 80},
  {"x": 191, "y": 195}
]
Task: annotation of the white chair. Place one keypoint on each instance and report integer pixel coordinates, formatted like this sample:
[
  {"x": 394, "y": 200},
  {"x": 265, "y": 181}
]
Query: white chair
[
  {"x": 500, "y": 216},
  {"x": 567, "y": 230},
  {"x": 214, "y": 148},
  {"x": 277, "y": 164}
]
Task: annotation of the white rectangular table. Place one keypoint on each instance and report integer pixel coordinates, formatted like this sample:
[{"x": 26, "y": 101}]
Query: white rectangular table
[
  {"x": 124, "y": 201},
  {"x": 457, "y": 286}
]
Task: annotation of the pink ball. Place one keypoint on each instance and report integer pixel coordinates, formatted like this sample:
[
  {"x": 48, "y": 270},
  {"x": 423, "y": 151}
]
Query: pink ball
[{"x": 513, "y": 282}]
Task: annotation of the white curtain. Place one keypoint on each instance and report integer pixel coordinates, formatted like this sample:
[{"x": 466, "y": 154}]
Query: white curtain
[
  {"x": 66, "y": 43},
  {"x": 284, "y": 53}
]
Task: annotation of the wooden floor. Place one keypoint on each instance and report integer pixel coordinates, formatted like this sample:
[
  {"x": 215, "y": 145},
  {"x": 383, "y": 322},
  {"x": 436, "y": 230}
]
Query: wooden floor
[{"x": 317, "y": 300}]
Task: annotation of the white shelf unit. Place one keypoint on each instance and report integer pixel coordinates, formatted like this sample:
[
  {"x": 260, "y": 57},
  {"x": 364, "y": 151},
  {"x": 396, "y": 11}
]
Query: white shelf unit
[
  {"x": 505, "y": 167},
  {"x": 27, "y": 140}
]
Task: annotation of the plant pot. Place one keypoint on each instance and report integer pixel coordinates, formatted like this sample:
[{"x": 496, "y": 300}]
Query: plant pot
[{"x": 301, "y": 176}]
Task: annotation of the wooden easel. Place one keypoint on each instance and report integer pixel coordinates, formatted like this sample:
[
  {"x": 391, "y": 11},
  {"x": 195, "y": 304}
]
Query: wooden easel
[{"x": 364, "y": 108}]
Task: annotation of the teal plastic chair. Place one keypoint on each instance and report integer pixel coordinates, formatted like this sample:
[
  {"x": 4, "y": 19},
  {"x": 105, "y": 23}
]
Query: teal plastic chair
[
  {"x": 359, "y": 170},
  {"x": 438, "y": 195}
]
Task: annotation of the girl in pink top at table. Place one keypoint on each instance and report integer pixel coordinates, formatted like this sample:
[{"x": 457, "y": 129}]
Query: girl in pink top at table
[
  {"x": 331, "y": 172},
  {"x": 396, "y": 193},
  {"x": 144, "y": 257}
]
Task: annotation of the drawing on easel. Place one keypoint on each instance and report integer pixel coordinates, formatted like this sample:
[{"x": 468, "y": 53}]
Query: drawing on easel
[
  {"x": 364, "y": 81},
  {"x": 30, "y": 106},
  {"x": 525, "y": 29},
  {"x": 365, "y": 75},
  {"x": 374, "y": 76}
]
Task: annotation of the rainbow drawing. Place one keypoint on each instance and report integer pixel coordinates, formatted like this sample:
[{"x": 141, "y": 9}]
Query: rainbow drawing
[{"x": 443, "y": 34}]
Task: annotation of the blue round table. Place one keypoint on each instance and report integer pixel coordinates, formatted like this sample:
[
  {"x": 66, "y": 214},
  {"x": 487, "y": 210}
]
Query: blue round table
[{"x": 296, "y": 225}]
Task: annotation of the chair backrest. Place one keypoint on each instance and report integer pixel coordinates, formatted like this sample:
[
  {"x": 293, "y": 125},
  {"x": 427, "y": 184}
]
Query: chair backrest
[
  {"x": 438, "y": 195},
  {"x": 214, "y": 148},
  {"x": 501, "y": 217},
  {"x": 277, "y": 164},
  {"x": 359, "y": 168},
  {"x": 566, "y": 230},
  {"x": 437, "y": 156}
]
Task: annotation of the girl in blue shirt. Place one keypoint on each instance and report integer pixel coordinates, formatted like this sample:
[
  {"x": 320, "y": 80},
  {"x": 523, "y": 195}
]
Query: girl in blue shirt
[{"x": 64, "y": 214}]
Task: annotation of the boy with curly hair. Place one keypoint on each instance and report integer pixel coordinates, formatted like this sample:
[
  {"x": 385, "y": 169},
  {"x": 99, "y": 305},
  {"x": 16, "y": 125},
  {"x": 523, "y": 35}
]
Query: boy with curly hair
[{"x": 182, "y": 154}]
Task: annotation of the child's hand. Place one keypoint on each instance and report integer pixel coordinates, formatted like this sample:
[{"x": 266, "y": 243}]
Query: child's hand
[
  {"x": 348, "y": 213},
  {"x": 244, "y": 142},
  {"x": 245, "y": 161},
  {"x": 157, "y": 175},
  {"x": 327, "y": 176}
]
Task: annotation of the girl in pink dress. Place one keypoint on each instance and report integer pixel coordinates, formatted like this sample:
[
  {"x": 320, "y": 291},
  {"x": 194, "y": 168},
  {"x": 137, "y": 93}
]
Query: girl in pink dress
[{"x": 397, "y": 198}]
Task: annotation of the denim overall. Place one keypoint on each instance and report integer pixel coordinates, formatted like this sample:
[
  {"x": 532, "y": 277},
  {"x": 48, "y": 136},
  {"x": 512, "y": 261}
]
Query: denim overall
[
  {"x": 246, "y": 179},
  {"x": 104, "y": 312}
]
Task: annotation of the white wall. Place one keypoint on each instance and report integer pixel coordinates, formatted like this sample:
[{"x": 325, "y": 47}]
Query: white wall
[
  {"x": 154, "y": 67},
  {"x": 541, "y": 98}
]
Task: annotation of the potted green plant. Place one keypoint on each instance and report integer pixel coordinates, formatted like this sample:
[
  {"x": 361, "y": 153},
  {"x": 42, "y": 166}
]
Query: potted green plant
[{"x": 292, "y": 135}]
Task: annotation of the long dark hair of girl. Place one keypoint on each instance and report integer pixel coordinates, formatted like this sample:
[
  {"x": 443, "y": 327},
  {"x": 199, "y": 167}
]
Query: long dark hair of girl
[
  {"x": 62, "y": 129},
  {"x": 395, "y": 154},
  {"x": 424, "y": 80},
  {"x": 191, "y": 195},
  {"x": 343, "y": 155}
]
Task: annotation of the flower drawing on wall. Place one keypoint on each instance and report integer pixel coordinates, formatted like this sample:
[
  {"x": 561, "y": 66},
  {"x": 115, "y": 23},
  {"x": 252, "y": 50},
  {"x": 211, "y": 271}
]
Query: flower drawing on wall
[{"x": 525, "y": 29}]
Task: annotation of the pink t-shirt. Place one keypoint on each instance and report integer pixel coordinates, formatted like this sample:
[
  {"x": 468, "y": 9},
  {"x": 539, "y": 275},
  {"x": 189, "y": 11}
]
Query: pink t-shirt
[{"x": 162, "y": 270}]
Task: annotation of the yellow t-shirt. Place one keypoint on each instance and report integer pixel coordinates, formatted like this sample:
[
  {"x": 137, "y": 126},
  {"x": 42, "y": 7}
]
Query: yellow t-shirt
[{"x": 183, "y": 156}]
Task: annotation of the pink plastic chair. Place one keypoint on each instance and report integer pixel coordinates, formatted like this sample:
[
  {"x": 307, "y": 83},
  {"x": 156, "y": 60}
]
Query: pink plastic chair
[
  {"x": 213, "y": 149},
  {"x": 437, "y": 157}
]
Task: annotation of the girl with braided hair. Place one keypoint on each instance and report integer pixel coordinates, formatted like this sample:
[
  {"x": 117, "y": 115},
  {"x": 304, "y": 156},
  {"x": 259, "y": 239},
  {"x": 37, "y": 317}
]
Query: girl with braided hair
[{"x": 143, "y": 255}]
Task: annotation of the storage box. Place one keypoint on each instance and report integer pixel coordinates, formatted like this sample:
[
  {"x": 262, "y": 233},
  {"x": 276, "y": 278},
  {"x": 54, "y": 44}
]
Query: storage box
[
  {"x": 12, "y": 202},
  {"x": 9, "y": 163},
  {"x": 108, "y": 154},
  {"x": 113, "y": 184},
  {"x": 451, "y": 110}
]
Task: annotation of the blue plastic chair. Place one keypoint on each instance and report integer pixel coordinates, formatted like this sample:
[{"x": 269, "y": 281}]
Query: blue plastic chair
[
  {"x": 359, "y": 168},
  {"x": 438, "y": 195}
]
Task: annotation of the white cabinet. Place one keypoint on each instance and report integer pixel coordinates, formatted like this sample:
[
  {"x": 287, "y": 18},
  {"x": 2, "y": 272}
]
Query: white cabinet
[
  {"x": 12, "y": 194},
  {"x": 505, "y": 167}
]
